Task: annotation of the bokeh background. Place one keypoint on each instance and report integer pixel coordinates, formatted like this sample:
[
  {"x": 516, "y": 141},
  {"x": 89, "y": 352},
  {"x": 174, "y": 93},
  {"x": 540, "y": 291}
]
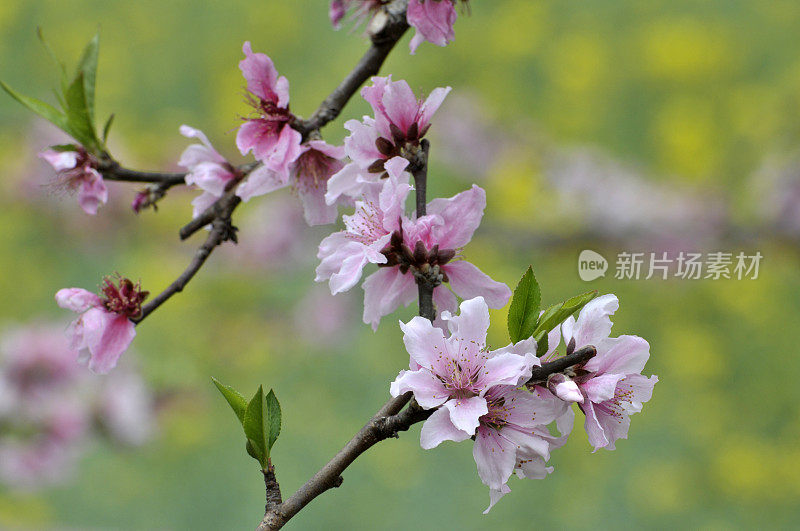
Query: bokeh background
[{"x": 616, "y": 126}]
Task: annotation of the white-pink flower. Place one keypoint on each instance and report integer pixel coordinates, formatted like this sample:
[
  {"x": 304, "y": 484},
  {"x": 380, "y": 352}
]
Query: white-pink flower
[
  {"x": 433, "y": 20},
  {"x": 381, "y": 233},
  {"x": 77, "y": 172},
  {"x": 400, "y": 122},
  {"x": 379, "y": 213},
  {"x": 105, "y": 328},
  {"x": 268, "y": 134},
  {"x": 454, "y": 372},
  {"x": 513, "y": 438},
  {"x": 308, "y": 177},
  {"x": 609, "y": 387},
  {"x": 207, "y": 169}
]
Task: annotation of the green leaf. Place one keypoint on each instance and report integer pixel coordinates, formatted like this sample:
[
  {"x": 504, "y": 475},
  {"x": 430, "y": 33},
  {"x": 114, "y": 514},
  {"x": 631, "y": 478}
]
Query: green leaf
[
  {"x": 256, "y": 427},
  {"x": 252, "y": 452},
  {"x": 235, "y": 400},
  {"x": 274, "y": 416},
  {"x": 87, "y": 67},
  {"x": 79, "y": 121},
  {"x": 541, "y": 345},
  {"x": 61, "y": 148},
  {"x": 45, "y": 110},
  {"x": 557, "y": 313},
  {"x": 52, "y": 54},
  {"x": 107, "y": 127},
  {"x": 524, "y": 310}
]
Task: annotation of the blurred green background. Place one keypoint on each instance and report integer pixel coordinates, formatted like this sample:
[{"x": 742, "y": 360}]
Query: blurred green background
[{"x": 691, "y": 96}]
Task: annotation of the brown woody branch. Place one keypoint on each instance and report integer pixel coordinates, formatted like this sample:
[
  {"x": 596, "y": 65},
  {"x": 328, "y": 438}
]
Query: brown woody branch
[
  {"x": 221, "y": 230},
  {"x": 112, "y": 171},
  {"x": 219, "y": 214}
]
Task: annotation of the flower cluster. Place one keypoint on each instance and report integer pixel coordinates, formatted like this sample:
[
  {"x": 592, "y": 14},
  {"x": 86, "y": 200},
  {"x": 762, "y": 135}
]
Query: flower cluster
[
  {"x": 405, "y": 248},
  {"x": 486, "y": 395},
  {"x": 49, "y": 408}
]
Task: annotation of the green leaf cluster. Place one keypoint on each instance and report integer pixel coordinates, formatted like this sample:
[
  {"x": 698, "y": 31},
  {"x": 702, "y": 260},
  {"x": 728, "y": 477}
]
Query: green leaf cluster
[
  {"x": 76, "y": 97},
  {"x": 524, "y": 319},
  {"x": 260, "y": 418}
]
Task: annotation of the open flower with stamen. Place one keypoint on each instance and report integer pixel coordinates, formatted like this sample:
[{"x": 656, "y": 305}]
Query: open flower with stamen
[
  {"x": 207, "y": 169},
  {"x": 433, "y": 246},
  {"x": 610, "y": 386},
  {"x": 377, "y": 215},
  {"x": 433, "y": 20},
  {"x": 513, "y": 438},
  {"x": 77, "y": 172},
  {"x": 401, "y": 121},
  {"x": 454, "y": 372},
  {"x": 268, "y": 133},
  {"x": 105, "y": 328},
  {"x": 308, "y": 176},
  {"x": 405, "y": 248}
]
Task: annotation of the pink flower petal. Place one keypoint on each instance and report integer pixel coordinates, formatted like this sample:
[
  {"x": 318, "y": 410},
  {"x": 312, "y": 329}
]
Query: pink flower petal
[
  {"x": 600, "y": 388},
  {"x": 77, "y": 299},
  {"x": 438, "y": 428},
  {"x": 465, "y": 412},
  {"x": 60, "y": 160},
  {"x": 424, "y": 342},
  {"x": 472, "y": 324},
  {"x": 260, "y": 74},
  {"x": 108, "y": 335},
  {"x": 261, "y": 181},
  {"x": 384, "y": 291},
  {"x": 428, "y": 390},
  {"x": 92, "y": 191},
  {"x": 594, "y": 322},
  {"x": 467, "y": 281},
  {"x": 433, "y": 21},
  {"x": 461, "y": 213},
  {"x": 495, "y": 456},
  {"x": 620, "y": 355}
]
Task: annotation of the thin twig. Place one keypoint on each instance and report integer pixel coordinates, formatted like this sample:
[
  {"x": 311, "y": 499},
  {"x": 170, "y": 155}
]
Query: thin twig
[
  {"x": 383, "y": 41},
  {"x": 112, "y": 171},
  {"x": 221, "y": 231}
]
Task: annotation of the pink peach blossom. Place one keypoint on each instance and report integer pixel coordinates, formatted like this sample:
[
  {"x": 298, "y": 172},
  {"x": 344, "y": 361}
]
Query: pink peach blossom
[
  {"x": 207, "y": 169},
  {"x": 400, "y": 122},
  {"x": 308, "y": 177},
  {"x": 433, "y": 20},
  {"x": 105, "y": 328},
  {"x": 609, "y": 387},
  {"x": 455, "y": 372},
  {"x": 268, "y": 134},
  {"x": 77, "y": 171}
]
